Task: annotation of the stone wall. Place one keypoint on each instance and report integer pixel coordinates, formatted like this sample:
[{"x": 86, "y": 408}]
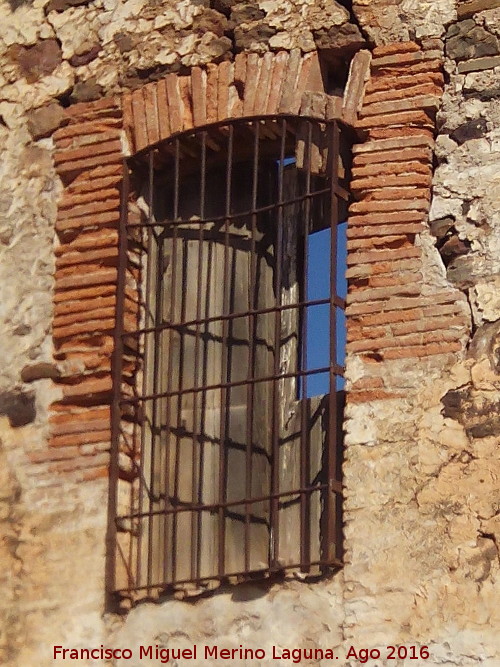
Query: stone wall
[{"x": 422, "y": 508}]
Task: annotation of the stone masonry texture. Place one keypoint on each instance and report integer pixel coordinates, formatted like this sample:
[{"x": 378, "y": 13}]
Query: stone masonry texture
[{"x": 83, "y": 84}]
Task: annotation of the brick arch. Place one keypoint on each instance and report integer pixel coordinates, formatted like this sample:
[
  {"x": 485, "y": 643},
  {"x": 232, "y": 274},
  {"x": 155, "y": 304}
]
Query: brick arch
[{"x": 275, "y": 83}]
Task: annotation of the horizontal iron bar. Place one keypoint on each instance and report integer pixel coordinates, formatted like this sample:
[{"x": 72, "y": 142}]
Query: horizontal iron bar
[
  {"x": 336, "y": 369},
  {"x": 232, "y": 216},
  {"x": 334, "y": 562},
  {"x": 338, "y": 301},
  {"x": 335, "y": 486}
]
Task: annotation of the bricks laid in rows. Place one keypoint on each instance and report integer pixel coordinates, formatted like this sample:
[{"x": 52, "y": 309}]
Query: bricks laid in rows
[
  {"x": 391, "y": 168},
  {"x": 389, "y": 217},
  {"x": 409, "y": 314},
  {"x": 376, "y": 182},
  {"x": 395, "y": 94},
  {"x": 391, "y": 49},
  {"x": 390, "y": 206},
  {"x": 405, "y": 104},
  {"x": 382, "y": 268},
  {"x": 403, "y": 303}
]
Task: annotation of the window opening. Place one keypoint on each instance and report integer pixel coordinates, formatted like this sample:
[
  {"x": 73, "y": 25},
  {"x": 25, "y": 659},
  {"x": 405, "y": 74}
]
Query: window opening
[{"x": 236, "y": 472}]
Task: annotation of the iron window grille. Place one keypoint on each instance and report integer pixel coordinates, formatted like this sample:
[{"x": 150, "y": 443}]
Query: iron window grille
[{"x": 234, "y": 470}]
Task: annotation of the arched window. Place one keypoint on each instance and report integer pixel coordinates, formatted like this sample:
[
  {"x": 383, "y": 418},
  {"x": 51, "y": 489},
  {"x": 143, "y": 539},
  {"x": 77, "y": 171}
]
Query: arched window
[{"x": 238, "y": 465}]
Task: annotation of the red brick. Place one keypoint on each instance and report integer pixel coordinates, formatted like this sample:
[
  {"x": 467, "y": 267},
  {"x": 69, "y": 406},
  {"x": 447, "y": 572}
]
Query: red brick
[
  {"x": 359, "y": 74},
  {"x": 357, "y": 333},
  {"x": 79, "y": 154},
  {"x": 391, "y": 217},
  {"x": 426, "y": 88},
  {"x": 68, "y": 168},
  {"x": 410, "y": 59},
  {"x": 381, "y": 255},
  {"x": 73, "y": 258},
  {"x": 72, "y": 415},
  {"x": 128, "y": 121},
  {"x": 139, "y": 114},
  {"x": 368, "y": 396},
  {"x": 82, "y": 110},
  {"x": 226, "y": 73},
  {"x": 86, "y": 327},
  {"x": 71, "y": 201},
  {"x": 289, "y": 82},
  {"x": 84, "y": 128},
  {"x": 308, "y": 64},
  {"x": 163, "y": 113},
  {"x": 75, "y": 439},
  {"x": 97, "y": 290},
  {"x": 97, "y": 179},
  {"x": 174, "y": 102},
  {"x": 103, "y": 239},
  {"x": 391, "y": 168},
  {"x": 93, "y": 474},
  {"x": 240, "y": 69},
  {"x": 428, "y": 324},
  {"x": 419, "y": 351},
  {"x": 99, "y": 277},
  {"x": 91, "y": 208},
  {"x": 199, "y": 94},
  {"x": 398, "y": 131},
  {"x": 367, "y": 383},
  {"x": 391, "y": 84},
  {"x": 416, "y": 339},
  {"x": 151, "y": 113},
  {"x": 62, "y": 321},
  {"x": 397, "y": 143},
  {"x": 423, "y": 155},
  {"x": 186, "y": 101},
  {"x": 79, "y": 463},
  {"x": 402, "y": 303},
  {"x": 377, "y": 319},
  {"x": 53, "y": 454},
  {"x": 212, "y": 84},
  {"x": 382, "y": 268},
  {"x": 277, "y": 78},
  {"x": 399, "y": 118},
  {"x": 414, "y": 180},
  {"x": 373, "y": 243},
  {"x": 384, "y": 293},
  {"x": 88, "y": 388},
  {"x": 84, "y": 305},
  {"x": 262, "y": 91},
  {"x": 406, "y": 104},
  {"x": 395, "y": 194},
  {"x": 101, "y": 219},
  {"x": 251, "y": 81},
  {"x": 79, "y": 426},
  {"x": 391, "y": 49},
  {"x": 391, "y": 206}
]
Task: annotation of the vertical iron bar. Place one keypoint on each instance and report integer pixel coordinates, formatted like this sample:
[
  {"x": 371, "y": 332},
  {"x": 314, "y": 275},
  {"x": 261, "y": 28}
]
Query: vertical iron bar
[
  {"x": 252, "y": 324},
  {"x": 169, "y": 548},
  {"x": 195, "y": 514},
  {"x": 305, "y": 463},
  {"x": 224, "y": 365},
  {"x": 154, "y": 434},
  {"x": 111, "y": 542},
  {"x": 332, "y": 516},
  {"x": 181, "y": 366},
  {"x": 275, "y": 470}
]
